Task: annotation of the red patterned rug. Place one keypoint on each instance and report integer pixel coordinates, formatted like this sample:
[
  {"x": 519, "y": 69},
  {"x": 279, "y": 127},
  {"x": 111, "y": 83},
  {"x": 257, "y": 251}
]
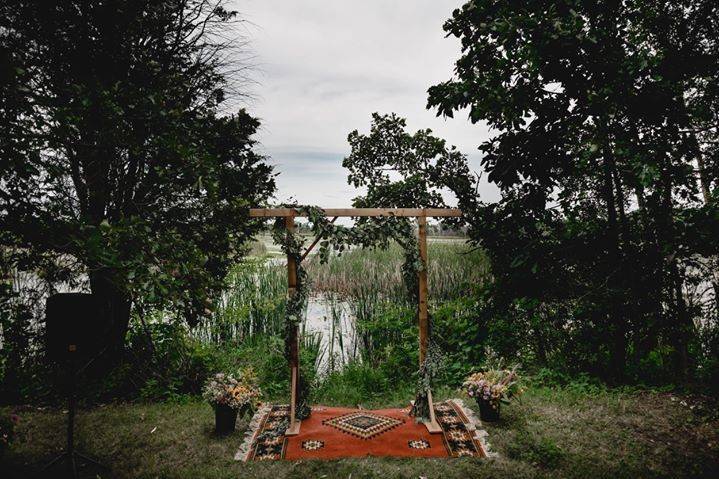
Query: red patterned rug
[{"x": 334, "y": 432}]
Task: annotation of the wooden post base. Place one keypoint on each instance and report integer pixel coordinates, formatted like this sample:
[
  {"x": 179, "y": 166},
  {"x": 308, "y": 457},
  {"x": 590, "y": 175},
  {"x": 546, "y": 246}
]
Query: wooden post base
[
  {"x": 432, "y": 425},
  {"x": 294, "y": 429}
]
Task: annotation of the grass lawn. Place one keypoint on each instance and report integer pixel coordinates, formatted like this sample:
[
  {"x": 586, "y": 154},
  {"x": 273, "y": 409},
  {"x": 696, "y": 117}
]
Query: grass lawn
[{"x": 548, "y": 433}]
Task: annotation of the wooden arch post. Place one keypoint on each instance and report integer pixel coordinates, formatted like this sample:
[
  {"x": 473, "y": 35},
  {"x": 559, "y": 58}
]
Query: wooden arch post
[
  {"x": 294, "y": 339},
  {"x": 422, "y": 309},
  {"x": 423, "y": 315}
]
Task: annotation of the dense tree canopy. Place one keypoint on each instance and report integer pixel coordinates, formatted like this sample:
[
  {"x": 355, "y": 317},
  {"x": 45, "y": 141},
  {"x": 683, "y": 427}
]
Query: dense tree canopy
[
  {"x": 122, "y": 172},
  {"x": 117, "y": 166},
  {"x": 605, "y": 153},
  {"x": 605, "y": 121}
]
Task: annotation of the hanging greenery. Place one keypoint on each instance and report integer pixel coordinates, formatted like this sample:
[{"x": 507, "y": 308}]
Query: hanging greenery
[
  {"x": 370, "y": 232},
  {"x": 427, "y": 372},
  {"x": 291, "y": 244}
]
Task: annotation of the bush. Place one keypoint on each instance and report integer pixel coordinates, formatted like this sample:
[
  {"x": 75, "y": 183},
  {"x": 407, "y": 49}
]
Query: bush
[
  {"x": 21, "y": 373},
  {"x": 163, "y": 362},
  {"x": 708, "y": 363},
  {"x": 7, "y": 431},
  {"x": 458, "y": 332}
]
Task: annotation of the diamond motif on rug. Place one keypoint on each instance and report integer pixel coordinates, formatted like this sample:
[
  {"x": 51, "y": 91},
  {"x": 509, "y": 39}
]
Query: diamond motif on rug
[
  {"x": 364, "y": 425},
  {"x": 312, "y": 445},
  {"x": 418, "y": 444}
]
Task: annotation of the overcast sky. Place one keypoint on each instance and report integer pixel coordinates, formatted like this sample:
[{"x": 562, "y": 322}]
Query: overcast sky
[{"x": 324, "y": 66}]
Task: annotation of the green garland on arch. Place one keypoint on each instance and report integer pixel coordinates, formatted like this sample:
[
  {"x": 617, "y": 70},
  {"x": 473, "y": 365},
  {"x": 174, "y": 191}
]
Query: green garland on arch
[{"x": 292, "y": 244}]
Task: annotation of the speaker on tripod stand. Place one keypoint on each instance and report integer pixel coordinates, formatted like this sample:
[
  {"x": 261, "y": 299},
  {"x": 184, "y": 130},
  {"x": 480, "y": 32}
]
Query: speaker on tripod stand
[{"x": 75, "y": 338}]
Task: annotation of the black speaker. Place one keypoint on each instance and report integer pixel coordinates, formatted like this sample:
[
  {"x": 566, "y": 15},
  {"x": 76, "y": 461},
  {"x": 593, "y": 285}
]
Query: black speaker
[
  {"x": 74, "y": 326},
  {"x": 74, "y": 334}
]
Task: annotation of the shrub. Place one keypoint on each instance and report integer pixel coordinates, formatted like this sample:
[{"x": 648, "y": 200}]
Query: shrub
[
  {"x": 7, "y": 431},
  {"x": 458, "y": 332}
]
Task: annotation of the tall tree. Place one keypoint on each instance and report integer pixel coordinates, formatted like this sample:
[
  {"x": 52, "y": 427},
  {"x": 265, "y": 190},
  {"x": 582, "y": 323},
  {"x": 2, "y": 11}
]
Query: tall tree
[
  {"x": 116, "y": 163},
  {"x": 399, "y": 169},
  {"x": 600, "y": 108}
]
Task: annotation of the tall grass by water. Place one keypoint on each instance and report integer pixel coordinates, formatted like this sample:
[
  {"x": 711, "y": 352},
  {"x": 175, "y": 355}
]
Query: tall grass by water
[
  {"x": 364, "y": 285},
  {"x": 453, "y": 269},
  {"x": 253, "y": 303},
  {"x": 360, "y": 316}
]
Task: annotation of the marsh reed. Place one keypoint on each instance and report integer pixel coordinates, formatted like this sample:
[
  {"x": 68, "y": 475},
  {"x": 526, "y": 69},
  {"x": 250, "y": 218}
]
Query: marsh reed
[
  {"x": 253, "y": 303},
  {"x": 362, "y": 290},
  {"x": 363, "y": 273}
]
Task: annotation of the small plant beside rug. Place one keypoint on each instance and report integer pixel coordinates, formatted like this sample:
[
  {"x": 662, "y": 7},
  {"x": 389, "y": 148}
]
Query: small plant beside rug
[
  {"x": 491, "y": 388},
  {"x": 231, "y": 395}
]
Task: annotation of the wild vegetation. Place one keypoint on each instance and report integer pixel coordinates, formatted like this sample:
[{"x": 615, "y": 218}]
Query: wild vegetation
[
  {"x": 596, "y": 273},
  {"x": 563, "y": 426},
  {"x": 165, "y": 359},
  {"x": 119, "y": 173}
]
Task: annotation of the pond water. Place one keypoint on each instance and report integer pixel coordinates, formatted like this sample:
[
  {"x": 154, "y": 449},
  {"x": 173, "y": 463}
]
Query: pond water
[{"x": 331, "y": 321}]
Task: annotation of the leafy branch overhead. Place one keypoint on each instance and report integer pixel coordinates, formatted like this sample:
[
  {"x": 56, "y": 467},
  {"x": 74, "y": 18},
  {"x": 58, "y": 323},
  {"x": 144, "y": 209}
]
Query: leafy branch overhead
[{"x": 400, "y": 169}]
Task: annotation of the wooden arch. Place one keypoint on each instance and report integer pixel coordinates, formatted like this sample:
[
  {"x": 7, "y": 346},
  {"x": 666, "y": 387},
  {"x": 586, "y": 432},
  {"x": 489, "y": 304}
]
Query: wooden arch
[{"x": 289, "y": 214}]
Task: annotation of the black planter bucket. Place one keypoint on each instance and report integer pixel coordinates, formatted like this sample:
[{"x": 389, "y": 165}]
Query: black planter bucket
[
  {"x": 487, "y": 412},
  {"x": 225, "y": 419}
]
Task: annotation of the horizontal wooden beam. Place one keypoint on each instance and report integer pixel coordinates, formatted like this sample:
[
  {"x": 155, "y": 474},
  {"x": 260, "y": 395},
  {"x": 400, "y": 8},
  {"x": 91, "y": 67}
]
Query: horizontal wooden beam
[{"x": 357, "y": 212}]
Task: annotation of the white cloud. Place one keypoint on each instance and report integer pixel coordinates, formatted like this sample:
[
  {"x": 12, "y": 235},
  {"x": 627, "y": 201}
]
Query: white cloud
[{"x": 325, "y": 66}]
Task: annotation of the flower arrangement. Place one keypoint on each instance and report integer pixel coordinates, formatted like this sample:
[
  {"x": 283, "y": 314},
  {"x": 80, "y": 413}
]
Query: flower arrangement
[
  {"x": 239, "y": 392},
  {"x": 493, "y": 386}
]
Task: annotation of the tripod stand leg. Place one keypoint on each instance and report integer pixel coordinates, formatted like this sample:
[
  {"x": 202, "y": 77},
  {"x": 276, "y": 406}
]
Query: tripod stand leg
[
  {"x": 55, "y": 461},
  {"x": 91, "y": 460},
  {"x": 71, "y": 416},
  {"x": 73, "y": 457}
]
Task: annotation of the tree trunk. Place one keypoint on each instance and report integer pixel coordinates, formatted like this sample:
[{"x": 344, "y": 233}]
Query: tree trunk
[
  {"x": 682, "y": 332},
  {"x": 679, "y": 326},
  {"x": 116, "y": 317},
  {"x": 618, "y": 346},
  {"x": 704, "y": 185}
]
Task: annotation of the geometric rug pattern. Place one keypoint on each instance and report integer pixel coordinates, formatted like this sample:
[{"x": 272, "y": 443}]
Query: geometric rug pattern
[
  {"x": 335, "y": 432},
  {"x": 363, "y": 424}
]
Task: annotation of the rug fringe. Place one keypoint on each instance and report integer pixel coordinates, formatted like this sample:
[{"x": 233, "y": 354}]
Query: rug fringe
[
  {"x": 475, "y": 424},
  {"x": 244, "y": 451}
]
